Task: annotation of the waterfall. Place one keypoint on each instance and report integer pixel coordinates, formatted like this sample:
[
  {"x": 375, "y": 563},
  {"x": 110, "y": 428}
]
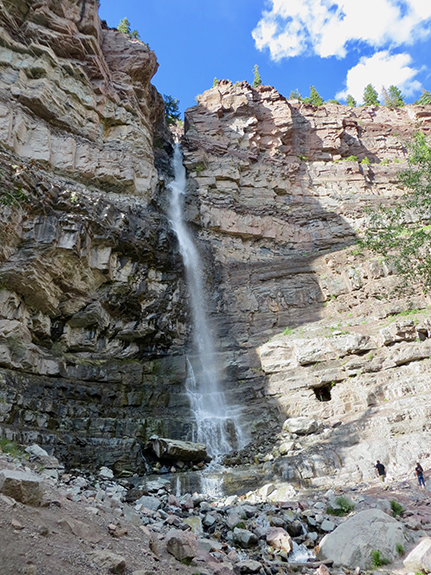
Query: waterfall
[{"x": 216, "y": 422}]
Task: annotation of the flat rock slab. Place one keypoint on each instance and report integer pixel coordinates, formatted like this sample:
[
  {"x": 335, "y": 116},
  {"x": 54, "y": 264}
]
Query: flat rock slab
[
  {"x": 22, "y": 486},
  {"x": 176, "y": 449}
]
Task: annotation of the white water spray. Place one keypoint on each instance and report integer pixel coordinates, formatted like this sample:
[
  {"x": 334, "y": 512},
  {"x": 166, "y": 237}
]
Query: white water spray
[{"x": 216, "y": 423}]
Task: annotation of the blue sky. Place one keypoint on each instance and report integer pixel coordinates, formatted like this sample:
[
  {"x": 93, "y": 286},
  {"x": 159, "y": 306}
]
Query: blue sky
[{"x": 339, "y": 46}]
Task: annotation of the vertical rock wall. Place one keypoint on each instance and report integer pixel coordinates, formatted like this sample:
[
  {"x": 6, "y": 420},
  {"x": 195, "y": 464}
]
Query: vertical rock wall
[
  {"x": 92, "y": 302},
  {"x": 93, "y": 307},
  {"x": 281, "y": 188}
]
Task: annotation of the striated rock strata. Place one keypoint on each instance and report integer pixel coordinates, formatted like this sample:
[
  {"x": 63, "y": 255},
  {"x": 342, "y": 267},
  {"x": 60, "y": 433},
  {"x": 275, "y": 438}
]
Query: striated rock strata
[
  {"x": 93, "y": 307},
  {"x": 92, "y": 296},
  {"x": 281, "y": 189}
]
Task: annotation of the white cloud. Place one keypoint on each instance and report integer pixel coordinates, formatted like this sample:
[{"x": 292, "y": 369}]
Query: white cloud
[
  {"x": 325, "y": 27},
  {"x": 381, "y": 69}
]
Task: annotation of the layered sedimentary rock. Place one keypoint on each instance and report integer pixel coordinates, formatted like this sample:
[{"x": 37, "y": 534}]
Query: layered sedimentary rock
[
  {"x": 281, "y": 188},
  {"x": 93, "y": 307},
  {"x": 91, "y": 294}
]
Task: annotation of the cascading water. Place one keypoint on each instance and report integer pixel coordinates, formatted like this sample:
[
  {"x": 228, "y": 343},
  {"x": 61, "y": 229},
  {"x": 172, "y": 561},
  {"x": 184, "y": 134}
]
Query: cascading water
[{"x": 216, "y": 422}]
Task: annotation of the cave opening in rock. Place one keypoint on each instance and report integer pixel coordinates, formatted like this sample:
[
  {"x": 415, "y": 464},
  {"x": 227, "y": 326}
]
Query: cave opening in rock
[{"x": 323, "y": 393}]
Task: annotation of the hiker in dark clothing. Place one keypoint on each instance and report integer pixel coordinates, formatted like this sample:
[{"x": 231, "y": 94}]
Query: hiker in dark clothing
[
  {"x": 380, "y": 471},
  {"x": 420, "y": 475}
]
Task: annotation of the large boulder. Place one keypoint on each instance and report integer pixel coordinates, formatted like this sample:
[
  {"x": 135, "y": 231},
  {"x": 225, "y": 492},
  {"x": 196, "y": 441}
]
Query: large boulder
[
  {"x": 351, "y": 545},
  {"x": 176, "y": 449},
  {"x": 22, "y": 486},
  {"x": 181, "y": 544},
  {"x": 301, "y": 425},
  {"x": 419, "y": 559}
]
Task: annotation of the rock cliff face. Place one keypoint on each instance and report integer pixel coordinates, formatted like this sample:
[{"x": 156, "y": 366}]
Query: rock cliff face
[
  {"x": 91, "y": 292},
  {"x": 93, "y": 305},
  {"x": 281, "y": 189}
]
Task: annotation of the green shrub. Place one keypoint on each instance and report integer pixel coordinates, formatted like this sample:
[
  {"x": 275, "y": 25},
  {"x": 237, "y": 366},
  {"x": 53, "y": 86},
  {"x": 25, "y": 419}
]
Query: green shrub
[
  {"x": 350, "y": 159},
  {"x": 345, "y": 507},
  {"x": 397, "y": 508},
  {"x": 288, "y": 331},
  {"x": 365, "y": 160},
  {"x": 400, "y": 549},
  {"x": 10, "y": 447},
  {"x": 384, "y": 162},
  {"x": 12, "y": 197},
  {"x": 378, "y": 559}
]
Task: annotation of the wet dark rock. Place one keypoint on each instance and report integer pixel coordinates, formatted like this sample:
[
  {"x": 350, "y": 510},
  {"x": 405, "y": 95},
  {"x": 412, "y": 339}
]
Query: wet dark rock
[{"x": 244, "y": 538}]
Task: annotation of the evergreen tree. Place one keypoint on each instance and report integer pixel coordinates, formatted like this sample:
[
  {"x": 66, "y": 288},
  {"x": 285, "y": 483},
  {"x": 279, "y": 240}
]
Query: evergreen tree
[
  {"x": 424, "y": 99},
  {"x": 351, "y": 101},
  {"x": 370, "y": 96},
  {"x": 393, "y": 97},
  {"x": 314, "y": 97},
  {"x": 172, "y": 111},
  {"x": 124, "y": 28},
  {"x": 295, "y": 95},
  {"x": 257, "y": 79},
  {"x": 401, "y": 232},
  {"x": 215, "y": 82}
]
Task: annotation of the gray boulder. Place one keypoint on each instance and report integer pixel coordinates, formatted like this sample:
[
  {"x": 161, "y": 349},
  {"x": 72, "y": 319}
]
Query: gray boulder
[
  {"x": 149, "y": 502},
  {"x": 351, "y": 545},
  {"x": 35, "y": 450},
  {"x": 419, "y": 559},
  {"x": 244, "y": 538},
  {"x": 301, "y": 425}
]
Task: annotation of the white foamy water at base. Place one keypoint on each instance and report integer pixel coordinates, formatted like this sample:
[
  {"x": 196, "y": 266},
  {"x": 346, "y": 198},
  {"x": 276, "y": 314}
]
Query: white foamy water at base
[{"x": 300, "y": 554}]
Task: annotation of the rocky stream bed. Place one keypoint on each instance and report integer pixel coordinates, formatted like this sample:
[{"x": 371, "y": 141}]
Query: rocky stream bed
[{"x": 77, "y": 523}]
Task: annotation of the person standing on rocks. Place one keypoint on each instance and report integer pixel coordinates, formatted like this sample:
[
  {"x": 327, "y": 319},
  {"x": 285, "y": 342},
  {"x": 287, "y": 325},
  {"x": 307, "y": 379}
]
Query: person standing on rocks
[
  {"x": 380, "y": 471},
  {"x": 420, "y": 475}
]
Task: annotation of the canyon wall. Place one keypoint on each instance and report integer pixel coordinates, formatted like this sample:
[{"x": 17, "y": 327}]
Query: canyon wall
[
  {"x": 281, "y": 188},
  {"x": 92, "y": 299},
  {"x": 94, "y": 321}
]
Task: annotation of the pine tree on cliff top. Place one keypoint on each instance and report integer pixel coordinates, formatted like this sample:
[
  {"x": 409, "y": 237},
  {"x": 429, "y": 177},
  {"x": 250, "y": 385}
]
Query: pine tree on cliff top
[
  {"x": 295, "y": 95},
  {"x": 424, "y": 99},
  {"x": 350, "y": 101},
  {"x": 124, "y": 28},
  {"x": 393, "y": 97},
  {"x": 315, "y": 99},
  {"x": 257, "y": 79},
  {"x": 370, "y": 96}
]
